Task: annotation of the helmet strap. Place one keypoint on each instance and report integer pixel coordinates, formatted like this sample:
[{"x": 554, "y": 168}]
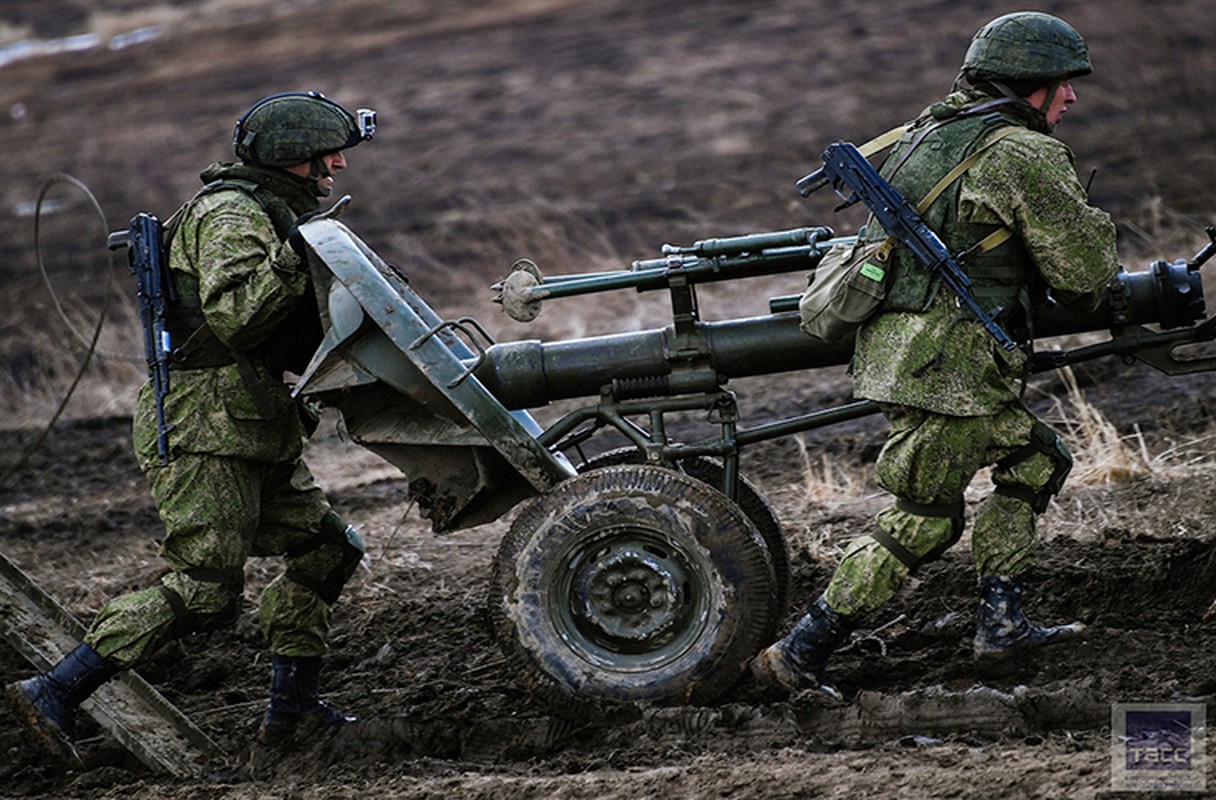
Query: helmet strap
[
  {"x": 318, "y": 171},
  {"x": 1037, "y": 116},
  {"x": 1040, "y": 117},
  {"x": 1004, "y": 89},
  {"x": 1053, "y": 88}
]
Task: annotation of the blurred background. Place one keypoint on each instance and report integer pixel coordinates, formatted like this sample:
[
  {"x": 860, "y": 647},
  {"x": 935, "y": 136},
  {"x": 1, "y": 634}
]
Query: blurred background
[{"x": 583, "y": 135}]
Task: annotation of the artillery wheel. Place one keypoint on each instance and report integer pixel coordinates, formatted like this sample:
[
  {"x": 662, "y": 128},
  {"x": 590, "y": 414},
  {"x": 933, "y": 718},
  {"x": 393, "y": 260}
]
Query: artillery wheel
[
  {"x": 750, "y": 500},
  {"x": 631, "y": 584}
]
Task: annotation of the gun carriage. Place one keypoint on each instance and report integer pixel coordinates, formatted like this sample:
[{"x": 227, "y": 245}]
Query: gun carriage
[{"x": 649, "y": 573}]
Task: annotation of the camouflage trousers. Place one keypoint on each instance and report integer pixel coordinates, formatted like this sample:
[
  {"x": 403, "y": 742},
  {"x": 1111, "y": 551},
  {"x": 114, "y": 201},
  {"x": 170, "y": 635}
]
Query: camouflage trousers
[
  {"x": 927, "y": 463},
  {"x": 217, "y": 513}
]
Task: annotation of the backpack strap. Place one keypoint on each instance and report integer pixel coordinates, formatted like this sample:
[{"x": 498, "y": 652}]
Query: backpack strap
[{"x": 964, "y": 165}]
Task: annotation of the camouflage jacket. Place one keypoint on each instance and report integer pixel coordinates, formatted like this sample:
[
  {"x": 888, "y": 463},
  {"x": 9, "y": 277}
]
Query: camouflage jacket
[
  {"x": 248, "y": 283},
  {"x": 941, "y": 359}
]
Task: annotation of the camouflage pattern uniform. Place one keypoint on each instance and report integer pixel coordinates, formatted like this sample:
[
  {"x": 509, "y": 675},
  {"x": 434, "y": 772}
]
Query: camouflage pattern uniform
[
  {"x": 236, "y": 485},
  {"x": 953, "y": 396},
  {"x": 1002, "y": 193}
]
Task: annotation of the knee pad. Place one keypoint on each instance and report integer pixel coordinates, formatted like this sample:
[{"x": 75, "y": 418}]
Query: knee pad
[
  {"x": 186, "y": 621},
  {"x": 332, "y": 532},
  {"x": 951, "y": 511},
  {"x": 1045, "y": 442}
]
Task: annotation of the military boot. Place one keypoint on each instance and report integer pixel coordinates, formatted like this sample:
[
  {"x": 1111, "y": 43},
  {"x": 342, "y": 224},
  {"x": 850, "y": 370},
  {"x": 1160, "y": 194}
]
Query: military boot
[
  {"x": 799, "y": 660},
  {"x": 1002, "y": 629},
  {"x": 47, "y": 703},
  {"x": 295, "y": 697}
]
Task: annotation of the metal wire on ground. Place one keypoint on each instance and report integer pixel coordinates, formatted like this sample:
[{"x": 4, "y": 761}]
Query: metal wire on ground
[{"x": 89, "y": 343}]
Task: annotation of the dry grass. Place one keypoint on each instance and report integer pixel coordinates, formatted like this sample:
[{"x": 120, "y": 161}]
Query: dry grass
[
  {"x": 1101, "y": 453},
  {"x": 827, "y": 481},
  {"x": 110, "y": 372},
  {"x": 1155, "y": 231},
  {"x": 834, "y": 495}
]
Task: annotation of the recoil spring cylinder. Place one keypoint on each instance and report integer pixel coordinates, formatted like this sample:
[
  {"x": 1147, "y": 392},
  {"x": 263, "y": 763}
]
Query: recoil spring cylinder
[{"x": 641, "y": 387}]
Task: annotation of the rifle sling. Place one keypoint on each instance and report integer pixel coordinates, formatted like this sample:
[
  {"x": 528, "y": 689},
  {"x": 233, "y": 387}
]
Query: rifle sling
[
  {"x": 989, "y": 242},
  {"x": 883, "y": 141}
]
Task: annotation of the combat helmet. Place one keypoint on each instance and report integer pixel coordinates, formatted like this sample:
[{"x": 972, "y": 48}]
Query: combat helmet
[
  {"x": 1026, "y": 49},
  {"x": 296, "y": 127}
]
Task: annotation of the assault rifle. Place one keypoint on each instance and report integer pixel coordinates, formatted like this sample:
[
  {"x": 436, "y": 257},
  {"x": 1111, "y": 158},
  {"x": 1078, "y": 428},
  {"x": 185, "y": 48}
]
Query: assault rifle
[
  {"x": 146, "y": 253},
  {"x": 844, "y": 165}
]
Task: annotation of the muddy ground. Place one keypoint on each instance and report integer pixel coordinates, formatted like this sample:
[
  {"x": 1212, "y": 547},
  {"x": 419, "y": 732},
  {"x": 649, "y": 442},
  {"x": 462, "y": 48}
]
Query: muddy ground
[
  {"x": 441, "y": 715},
  {"x": 585, "y": 135}
]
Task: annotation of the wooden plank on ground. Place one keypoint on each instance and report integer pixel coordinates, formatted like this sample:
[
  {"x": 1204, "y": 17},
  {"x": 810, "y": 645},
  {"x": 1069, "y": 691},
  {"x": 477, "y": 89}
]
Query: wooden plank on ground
[{"x": 128, "y": 707}]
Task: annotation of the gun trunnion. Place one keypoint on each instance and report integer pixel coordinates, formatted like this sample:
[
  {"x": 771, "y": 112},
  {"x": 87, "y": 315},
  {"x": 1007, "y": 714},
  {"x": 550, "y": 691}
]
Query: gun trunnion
[{"x": 656, "y": 576}]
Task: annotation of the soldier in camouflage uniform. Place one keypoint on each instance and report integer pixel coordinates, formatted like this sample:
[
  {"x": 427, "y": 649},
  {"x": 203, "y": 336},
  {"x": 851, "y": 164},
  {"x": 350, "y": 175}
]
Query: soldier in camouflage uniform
[
  {"x": 235, "y": 485},
  {"x": 951, "y": 394}
]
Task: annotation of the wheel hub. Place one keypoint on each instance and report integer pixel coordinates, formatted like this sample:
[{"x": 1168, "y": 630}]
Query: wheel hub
[{"x": 628, "y": 595}]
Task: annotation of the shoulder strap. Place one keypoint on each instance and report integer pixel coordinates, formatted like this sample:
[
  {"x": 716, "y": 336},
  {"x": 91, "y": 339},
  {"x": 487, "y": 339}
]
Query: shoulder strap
[
  {"x": 989, "y": 242},
  {"x": 885, "y": 140},
  {"x": 1001, "y": 234},
  {"x": 964, "y": 165},
  {"x": 175, "y": 219},
  {"x": 280, "y": 216}
]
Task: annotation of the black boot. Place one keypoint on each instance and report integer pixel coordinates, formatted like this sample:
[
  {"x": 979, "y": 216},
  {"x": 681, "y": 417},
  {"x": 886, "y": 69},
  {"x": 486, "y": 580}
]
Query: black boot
[
  {"x": 799, "y": 660},
  {"x": 1002, "y": 629},
  {"x": 294, "y": 697},
  {"x": 47, "y": 703}
]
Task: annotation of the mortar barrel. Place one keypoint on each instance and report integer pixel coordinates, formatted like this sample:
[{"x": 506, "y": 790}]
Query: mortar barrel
[
  {"x": 529, "y": 374},
  {"x": 752, "y": 242}
]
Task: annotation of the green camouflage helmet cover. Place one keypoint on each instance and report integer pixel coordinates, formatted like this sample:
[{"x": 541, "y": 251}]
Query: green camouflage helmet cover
[
  {"x": 295, "y": 127},
  {"x": 1026, "y": 47}
]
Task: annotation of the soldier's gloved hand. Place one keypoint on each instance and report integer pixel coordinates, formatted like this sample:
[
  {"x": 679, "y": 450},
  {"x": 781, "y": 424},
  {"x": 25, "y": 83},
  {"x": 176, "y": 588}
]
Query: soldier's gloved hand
[{"x": 295, "y": 240}]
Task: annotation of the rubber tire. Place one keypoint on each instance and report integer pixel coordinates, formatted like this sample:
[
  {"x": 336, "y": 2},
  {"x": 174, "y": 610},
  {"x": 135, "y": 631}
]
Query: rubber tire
[
  {"x": 750, "y": 500},
  {"x": 560, "y": 541}
]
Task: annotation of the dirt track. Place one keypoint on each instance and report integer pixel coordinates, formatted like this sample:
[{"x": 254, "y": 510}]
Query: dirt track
[{"x": 584, "y": 136}]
